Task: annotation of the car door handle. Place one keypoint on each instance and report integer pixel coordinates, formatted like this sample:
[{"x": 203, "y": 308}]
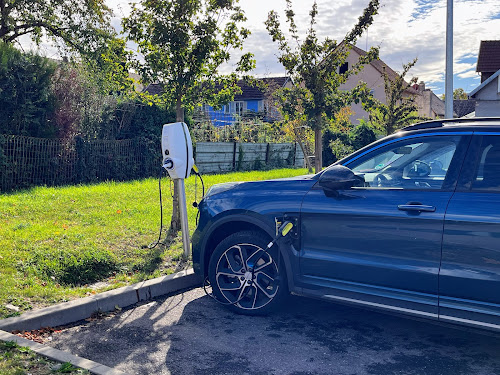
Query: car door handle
[{"x": 416, "y": 207}]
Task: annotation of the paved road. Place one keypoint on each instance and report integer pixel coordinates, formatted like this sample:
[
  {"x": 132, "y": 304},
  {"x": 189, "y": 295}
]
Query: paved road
[{"x": 191, "y": 334}]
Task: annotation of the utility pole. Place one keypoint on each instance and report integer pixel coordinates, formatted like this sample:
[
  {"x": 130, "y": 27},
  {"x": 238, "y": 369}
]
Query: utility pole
[{"x": 448, "y": 113}]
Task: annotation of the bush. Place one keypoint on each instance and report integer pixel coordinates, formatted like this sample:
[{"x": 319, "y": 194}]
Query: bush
[
  {"x": 362, "y": 135},
  {"x": 337, "y": 145},
  {"x": 138, "y": 119},
  {"x": 331, "y": 137}
]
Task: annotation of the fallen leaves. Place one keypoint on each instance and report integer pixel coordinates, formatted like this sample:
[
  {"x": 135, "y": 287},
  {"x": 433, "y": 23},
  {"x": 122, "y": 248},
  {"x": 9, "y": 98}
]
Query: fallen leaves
[{"x": 38, "y": 335}]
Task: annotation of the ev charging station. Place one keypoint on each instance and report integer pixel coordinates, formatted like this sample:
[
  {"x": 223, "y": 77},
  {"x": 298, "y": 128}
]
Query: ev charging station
[{"x": 177, "y": 151}]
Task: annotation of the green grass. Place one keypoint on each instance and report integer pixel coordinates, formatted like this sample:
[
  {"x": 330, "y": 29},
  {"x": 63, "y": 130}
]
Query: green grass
[
  {"x": 18, "y": 360},
  {"x": 56, "y": 243}
]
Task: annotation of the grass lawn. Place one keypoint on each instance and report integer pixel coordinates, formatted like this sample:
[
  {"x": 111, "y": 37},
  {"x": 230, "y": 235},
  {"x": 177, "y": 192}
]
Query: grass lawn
[
  {"x": 57, "y": 244},
  {"x": 18, "y": 360}
]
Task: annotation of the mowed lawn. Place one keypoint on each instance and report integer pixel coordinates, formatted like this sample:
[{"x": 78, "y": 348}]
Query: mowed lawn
[{"x": 62, "y": 243}]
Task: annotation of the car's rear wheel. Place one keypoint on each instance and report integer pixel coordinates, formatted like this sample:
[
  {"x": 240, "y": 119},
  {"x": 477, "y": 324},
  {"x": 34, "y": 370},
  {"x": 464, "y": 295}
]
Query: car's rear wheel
[{"x": 246, "y": 277}]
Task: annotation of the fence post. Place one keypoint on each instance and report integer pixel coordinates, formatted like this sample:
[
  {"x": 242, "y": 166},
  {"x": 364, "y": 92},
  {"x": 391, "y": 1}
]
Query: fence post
[
  {"x": 234, "y": 156},
  {"x": 294, "y": 154},
  {"x": 80, "y": 159},
  {"x": 267, "y": 152}
]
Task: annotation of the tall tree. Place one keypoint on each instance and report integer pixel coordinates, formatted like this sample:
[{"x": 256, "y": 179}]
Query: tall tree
[
  {"x": 315, "y": 68},
  {"x": 81, "y": 25},
  {"x": 458, "y": 94},
  {"x": 400, "y": 108},
  {"x": 26, "y": 100},
  {"x": 183, "y": 44}
]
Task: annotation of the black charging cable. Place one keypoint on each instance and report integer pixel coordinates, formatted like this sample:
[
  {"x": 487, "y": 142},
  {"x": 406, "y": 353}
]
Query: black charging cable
[
  {"x": 195, "y": 203},
  {"x": 153, "y": 245}
]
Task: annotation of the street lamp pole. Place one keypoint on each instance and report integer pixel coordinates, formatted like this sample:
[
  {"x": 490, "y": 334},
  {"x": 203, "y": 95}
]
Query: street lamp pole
[{"x": 449, "y": 61}]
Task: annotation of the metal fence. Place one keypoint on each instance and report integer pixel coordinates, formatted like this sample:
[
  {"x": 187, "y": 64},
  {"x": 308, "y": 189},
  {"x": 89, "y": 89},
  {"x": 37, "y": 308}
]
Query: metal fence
[{"x": 27, "y": 161}]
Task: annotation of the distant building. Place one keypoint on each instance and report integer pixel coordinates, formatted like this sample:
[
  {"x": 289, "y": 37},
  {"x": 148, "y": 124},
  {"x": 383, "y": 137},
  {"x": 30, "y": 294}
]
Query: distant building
[
  {"x": 487, "y": 94},
  {"x": 464, "y": 107},
  {"x": 253, "y": 101},
  {"x": 429, "y": 105},
  {"x": 488, "y": 60}
]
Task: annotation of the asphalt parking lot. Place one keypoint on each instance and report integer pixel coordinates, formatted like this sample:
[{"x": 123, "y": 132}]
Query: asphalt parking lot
[{"x": 191, "y": 334}]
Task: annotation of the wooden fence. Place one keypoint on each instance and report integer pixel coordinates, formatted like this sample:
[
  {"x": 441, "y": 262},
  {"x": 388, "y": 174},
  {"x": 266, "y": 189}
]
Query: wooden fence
[{"x": 220, "y": 157}]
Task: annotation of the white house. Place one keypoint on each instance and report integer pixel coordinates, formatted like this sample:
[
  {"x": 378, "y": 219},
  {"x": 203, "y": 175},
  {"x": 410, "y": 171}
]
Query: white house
[
  {"x": 487, "y": 94},
  {"x": 429, "y": 105}
]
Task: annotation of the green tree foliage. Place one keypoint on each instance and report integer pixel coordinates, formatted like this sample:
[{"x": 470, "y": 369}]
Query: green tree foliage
[
  {"x": 183, "y": 43},
  {"x": 26, "y": 100},
  {"x": 81, "y": 25},
  {"x": 338, "y": 143},
  {"x": 108, "y": 66},
  {"x": 362, "y": 135},
  {"x": 400, "y": 109},
  {"x": 314, "y": 67},
  {"x": 458, "y": 94},
  {"x": 140, "y": 116}
]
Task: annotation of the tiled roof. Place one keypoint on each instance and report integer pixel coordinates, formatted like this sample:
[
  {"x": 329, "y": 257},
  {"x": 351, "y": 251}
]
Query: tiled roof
[
  {"x": 489, "y": 56},
  {"x": 248, "y": 92},
  {"x": 464, "y": 107},
  {"x": 255, "y": 93},
  {"x": 154, "y": 88},
  {"x": 380, "y": 65}
]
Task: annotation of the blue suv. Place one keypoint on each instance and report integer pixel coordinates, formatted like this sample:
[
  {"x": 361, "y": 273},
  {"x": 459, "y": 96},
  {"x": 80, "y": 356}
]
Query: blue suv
[{"x": 409, "y": 224}]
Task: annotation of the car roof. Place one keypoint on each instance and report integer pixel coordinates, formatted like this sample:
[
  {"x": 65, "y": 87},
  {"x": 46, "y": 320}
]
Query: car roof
[
  {"x": 484, "y": 124},
  {"x": 445, "y": 124}
]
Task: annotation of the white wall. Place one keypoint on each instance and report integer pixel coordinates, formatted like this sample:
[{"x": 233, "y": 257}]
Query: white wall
[
  {"x": 488, "y": 99},
  {"x": 374, "y": 81}
]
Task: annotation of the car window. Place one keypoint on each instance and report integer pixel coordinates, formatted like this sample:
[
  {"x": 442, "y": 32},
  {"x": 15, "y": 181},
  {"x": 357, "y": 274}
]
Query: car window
[
  {"x": 408, "y": 164},
  {"x": 487, "y": 175}
]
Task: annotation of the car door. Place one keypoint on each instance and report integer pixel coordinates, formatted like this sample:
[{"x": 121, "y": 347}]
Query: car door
[
  {"x": 380, "y": 244},
  {"x": 469, "y": 280}
]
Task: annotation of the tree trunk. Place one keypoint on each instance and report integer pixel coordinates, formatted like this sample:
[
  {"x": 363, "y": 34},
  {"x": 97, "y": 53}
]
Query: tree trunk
[
  {"x": 306, "y": 157},
  {"x": 175, "y": 222},
  {"x": 318, "y": 149}
]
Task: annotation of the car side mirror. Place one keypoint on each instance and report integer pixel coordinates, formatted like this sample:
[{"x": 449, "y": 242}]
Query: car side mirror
[{"x": 337, "y": 178}]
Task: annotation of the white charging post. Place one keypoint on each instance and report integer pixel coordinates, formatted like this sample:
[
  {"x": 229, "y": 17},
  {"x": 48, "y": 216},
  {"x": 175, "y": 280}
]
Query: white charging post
[{"x": 177, "y": 151}]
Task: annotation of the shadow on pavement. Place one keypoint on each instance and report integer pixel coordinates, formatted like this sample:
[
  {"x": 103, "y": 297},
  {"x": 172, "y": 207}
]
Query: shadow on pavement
[{"x": 191, "y": 334}]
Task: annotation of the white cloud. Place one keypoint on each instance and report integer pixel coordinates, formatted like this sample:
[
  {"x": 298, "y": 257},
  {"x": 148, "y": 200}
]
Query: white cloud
[
  {"x": 400, "y": 34},
  {"x": 469, "y": 74},
  {"x": 403, "y": 29}
]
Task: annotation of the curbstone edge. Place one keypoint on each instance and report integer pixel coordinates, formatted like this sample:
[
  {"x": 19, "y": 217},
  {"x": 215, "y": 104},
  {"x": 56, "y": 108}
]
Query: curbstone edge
[{"x": 73, "y": 311}]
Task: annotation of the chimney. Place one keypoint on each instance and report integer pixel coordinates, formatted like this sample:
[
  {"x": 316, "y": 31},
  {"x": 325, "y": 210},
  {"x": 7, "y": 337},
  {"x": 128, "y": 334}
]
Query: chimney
[{"x": 421, "y": 86}]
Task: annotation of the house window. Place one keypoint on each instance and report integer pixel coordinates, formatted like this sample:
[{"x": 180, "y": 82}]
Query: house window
[
  {"x": 239, "y": 108},
  {"x": 344, "y": 68}
]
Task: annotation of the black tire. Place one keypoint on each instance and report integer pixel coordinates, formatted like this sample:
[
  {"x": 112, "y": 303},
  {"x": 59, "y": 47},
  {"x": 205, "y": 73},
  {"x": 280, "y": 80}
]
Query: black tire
[{"x": 233, "y": 282}]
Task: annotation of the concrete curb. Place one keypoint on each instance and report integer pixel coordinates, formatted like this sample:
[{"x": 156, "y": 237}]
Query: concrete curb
[
  {"x": 60, "y": 356},
  {"x": 73, "y": 311}
]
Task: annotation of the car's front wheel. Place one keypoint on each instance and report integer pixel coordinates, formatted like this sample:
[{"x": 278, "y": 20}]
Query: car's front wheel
[{"x": 244, "y": 276}]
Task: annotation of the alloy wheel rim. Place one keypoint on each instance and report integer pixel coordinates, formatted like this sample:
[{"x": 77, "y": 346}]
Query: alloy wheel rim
[{"x": 247, "y": 276}]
